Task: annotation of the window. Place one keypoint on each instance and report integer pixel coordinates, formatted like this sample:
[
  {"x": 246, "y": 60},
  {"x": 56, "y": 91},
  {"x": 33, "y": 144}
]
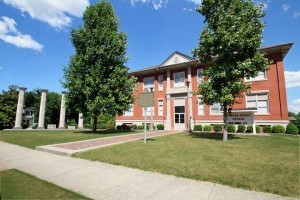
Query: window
[
  {"x": 130, "y": 111},
  {"x": 179, "y": 79},
  {"x": 200, "y": 75},
  {"x": 149, "y": 83},
  {"x": 148, "y": 111},
  {"x": 260, "y": 76},
  {"x": 258, "y": 101},
  {"x": 215, "y": 109},
  {"x": 160, "y": 108},
  {"x": 160, "y": 82},
  {"x": 200, "y": 107}
]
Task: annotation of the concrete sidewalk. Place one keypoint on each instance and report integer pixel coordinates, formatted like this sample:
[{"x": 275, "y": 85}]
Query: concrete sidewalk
[
  {"x": 67, "y": 149},
  {"x": 104, "y": 181}
]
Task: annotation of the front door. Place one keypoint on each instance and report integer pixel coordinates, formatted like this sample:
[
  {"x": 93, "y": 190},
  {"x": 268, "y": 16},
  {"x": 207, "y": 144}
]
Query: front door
[{"x": 179, "y": 118}]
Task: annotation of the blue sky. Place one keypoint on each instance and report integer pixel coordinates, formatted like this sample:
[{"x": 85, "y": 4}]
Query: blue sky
[{"x": 35, "y": 37}]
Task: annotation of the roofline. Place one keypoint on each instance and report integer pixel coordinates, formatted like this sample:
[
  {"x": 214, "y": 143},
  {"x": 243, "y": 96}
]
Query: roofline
[{"x": 279, "y": 48}]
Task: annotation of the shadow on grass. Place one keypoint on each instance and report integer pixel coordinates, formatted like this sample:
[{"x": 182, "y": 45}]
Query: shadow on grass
[
  {"x": 213, "y": 136},
  {"x": 104, "y": 132}
]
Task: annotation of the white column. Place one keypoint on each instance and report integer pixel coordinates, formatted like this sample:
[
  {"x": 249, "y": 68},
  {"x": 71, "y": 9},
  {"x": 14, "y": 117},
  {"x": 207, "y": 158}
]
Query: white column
[
  {"x": 41, "y": 124},
  {"x": 19, "y": 113},
  {"x": 254, "y": 126},
  {"x": 62, "y": 116},
  {"x": 168, "y": 117},
  {"x": 190, "y": 98},
  {"x": 80, "y": 121}
]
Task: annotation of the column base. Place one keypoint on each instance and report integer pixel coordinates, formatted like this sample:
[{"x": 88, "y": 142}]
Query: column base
[
  {"x": 40, "y": 128},
  {"x": 81, "y": 128},
  {"x": 61, "y": 128},
  {"x": 17, "y": 127}
]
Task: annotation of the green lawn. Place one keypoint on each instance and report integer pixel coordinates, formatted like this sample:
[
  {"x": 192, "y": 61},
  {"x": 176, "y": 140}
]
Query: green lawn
[
  {"x": 267, "y": 164},
  {"x": 18, "y": 185},
  {"x": 35, "y": 138}
]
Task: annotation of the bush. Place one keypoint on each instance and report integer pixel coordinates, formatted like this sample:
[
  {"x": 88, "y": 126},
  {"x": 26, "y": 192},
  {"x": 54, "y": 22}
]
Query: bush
[
  {"x": 207, "y": 128},
  {"x": 119, "y": 127},
  {"x": 241, "y": 128},
  {"x": 217, "y": 127},
  {"x": 110, "y": 125},
  {"x": 198, "y": 127},
  {"x": 291, "y": 129},
  {"x": 125, "y": 127},
  {"x": 160, "y": 127},
  {"x": 140, "y": 127},
  {"x": 231, "y": 128},
  {"x": 101, "y": 126},
  {"x": 267, "y": 129},
  {"x": 154, "y": 127},
  {"x": 134, "y": 127},
  {"x": 278, "y": 129},
  {"x": 250, "y": 129}
]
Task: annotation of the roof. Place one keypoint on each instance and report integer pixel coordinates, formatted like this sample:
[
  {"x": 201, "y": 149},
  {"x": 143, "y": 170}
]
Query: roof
[{"x": 279, "y": 48}]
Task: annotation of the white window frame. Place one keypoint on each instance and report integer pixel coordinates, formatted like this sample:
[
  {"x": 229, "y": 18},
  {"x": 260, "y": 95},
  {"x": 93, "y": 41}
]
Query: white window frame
[
  {"x": 257, "y": 100},
  {"x": 198, "y": 79},
  {"x": 219, "y": 109},
  {"x": 180, "y": 83},
  {"x": 148, "y": 111},
  {"x": 145, "y": 80},
  {"x": 160, "y": 107},
  {"x": 160, "y": 82},
  {"x": 260, "y": 76},
  {"x": 200, "y": 107},
  {"x": 129, "y": 112}
]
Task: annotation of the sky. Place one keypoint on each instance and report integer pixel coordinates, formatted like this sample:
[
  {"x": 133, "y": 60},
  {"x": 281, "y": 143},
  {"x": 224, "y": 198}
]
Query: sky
[{"x": 35, "y": 42}]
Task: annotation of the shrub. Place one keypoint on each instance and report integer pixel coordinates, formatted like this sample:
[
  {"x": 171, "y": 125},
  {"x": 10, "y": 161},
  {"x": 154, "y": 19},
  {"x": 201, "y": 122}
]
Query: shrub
[
  {"x": 267, "y": 129},
  {"x": 278, "y": 129},
  {"x": 110, "y": 125},
  {"x": 250, "y": 129},
  {"x": 154, "y": 127},
  {"x": 101, "y": 126},
  {"x": 119, "y": 127},
  {"x": 134, "y": 127},
  {"x": 241, "y": 128},
  {"x": 207, "y": 128},
  {"x": 291, "y": 129},
  {"x": 217, "y": 127},
  {"x": 140, "y": 127},
  {"x": 125, "y": 127},
  {"x": 198, "y": 127},
  {"x": 160, "y": 127},
  {"x": 231, "y": 128}
]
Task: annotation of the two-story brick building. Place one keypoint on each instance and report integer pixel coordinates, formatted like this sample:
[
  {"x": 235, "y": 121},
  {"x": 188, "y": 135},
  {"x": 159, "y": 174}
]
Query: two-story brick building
[{"x": 176, "y": 79}]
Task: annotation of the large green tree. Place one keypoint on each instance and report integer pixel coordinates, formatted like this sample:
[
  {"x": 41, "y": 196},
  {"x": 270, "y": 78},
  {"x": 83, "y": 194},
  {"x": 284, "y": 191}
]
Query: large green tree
[
  {"x": 8, "y": 107},
  {"x": 229, "y": 46},
  {"x": 96, "y": 79}
]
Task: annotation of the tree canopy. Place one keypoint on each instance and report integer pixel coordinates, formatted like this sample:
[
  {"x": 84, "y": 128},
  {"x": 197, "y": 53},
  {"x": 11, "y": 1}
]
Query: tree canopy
[
  {"x": 96, "y": 79},
  {"x": 8, "y": 102},
  {"x": 228, "y": 45}
]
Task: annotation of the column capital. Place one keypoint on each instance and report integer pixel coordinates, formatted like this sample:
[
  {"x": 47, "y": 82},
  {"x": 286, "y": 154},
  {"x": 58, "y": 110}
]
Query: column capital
[
  {"x": 22, "y": 88},
  {"x": 44, "y": 90}
]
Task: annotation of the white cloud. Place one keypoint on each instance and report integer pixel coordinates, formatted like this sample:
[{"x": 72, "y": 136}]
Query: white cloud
[
  {"x": 197, "y": 2},
  {"x": 10, "y": 34},
  {"x": 156, "y": 4},
  {"x": 296, "y": 14},
  {"x": 294, "y": 106},
  {"x": 285, "y": 7},
  {"x": 187, "y": 9},
  {"x": 54, "y": 12},
  {"x": 292, "y": 79}
]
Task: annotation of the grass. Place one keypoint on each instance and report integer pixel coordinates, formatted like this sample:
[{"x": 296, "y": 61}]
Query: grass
[
  {"x": 34, "y": 138},
  {"x": 267, "y": 164},
  {"x": 18, "y": 185}
]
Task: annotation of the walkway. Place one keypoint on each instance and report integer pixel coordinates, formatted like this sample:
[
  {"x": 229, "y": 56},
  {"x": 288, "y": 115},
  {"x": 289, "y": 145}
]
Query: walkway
[
  {"x": 104, "y": 181},
  {"x": 69, "y": 148}
]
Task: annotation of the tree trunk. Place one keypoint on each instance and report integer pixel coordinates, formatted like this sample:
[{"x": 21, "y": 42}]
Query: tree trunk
[
  {"x": 95, "y": 124},
  {"x": 225, "y": 122}
]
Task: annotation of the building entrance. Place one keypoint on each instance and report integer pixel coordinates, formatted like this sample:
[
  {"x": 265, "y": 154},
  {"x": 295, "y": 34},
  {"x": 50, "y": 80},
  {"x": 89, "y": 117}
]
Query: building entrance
[{"x": 179, "y": 118}]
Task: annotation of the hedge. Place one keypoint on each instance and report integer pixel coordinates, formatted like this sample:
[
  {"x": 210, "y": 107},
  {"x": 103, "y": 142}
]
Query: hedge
[
  {"x": 160, "y": 127},
  {"x": 217, "y": 127},
  {"x": 267, "y": 129},
  {"x": 278, "y": 129},
  {"x": 231, "y": 128},
  {"x": 241, "y": 128},
  {"x": 207, "y": 128},
  {"x": 198, "y": 127},
  {"x": 292, "y": 129}
]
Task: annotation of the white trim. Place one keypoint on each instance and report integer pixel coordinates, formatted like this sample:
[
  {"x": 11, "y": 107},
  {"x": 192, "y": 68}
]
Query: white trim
[
  {"x": 160, "y": 87},
  {"x": 158, "y": 106},
  {"x": 180, "y": 84},
  {"x": 256, "y": 102}
]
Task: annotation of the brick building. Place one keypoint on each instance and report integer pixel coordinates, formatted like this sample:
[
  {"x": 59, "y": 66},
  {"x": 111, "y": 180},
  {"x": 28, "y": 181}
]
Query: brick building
[{"x": 175, "y": 100}]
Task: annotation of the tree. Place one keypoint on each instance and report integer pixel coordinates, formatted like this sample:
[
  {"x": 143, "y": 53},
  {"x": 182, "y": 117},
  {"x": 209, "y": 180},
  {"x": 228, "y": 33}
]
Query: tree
[
  {"x": 8, "y": 102},
  {"x": 229, "y": 47},
  {"x": 96, "y": 79}
]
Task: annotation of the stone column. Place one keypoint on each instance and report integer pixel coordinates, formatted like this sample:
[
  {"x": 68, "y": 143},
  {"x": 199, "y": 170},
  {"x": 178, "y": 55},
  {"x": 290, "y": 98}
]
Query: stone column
[
  {"x": 62, "y": 116},
  {"x": 168, "y": 97},
  {"x": 80, "y": 121},
  {"x": 190, "y": 98},
  {"x": 41, "y": 124},
  {"x": 19, "y": 113}
]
